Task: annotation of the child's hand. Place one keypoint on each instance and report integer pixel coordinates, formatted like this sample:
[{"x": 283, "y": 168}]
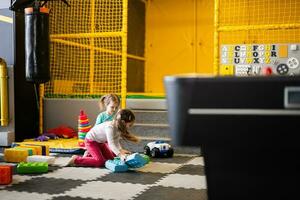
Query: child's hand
[
  {"x": 124, "y": 151},
  {"x": 123, "y": 154}
]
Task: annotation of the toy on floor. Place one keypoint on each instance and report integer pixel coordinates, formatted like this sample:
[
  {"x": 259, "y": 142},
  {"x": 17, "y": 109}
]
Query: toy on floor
[
  {"x": 40, "y": 158},
  {"x": 41, "y": 138},
  {"x": 32, "y": 167},
  {"x": 36, "y": 150},
  {"x": 62, "y": 132},
  {"x": 41, "y": 149},
  {"x": 16, "y": 154},
  {"x": 116, "y": 165},
  {"x": 158, "y": 149},
  {"x": 83, "y": 127},
  {"x": 146, "y": 157},
  {"x": 46, "y": 137},
  {"x": 134, "y": 160},
  {"x": 5, "y": 174}
]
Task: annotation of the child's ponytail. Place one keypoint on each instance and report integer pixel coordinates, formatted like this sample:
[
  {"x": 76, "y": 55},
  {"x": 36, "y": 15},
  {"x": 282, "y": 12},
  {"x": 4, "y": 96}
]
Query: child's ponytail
[
  {"x": 101, "y": 102},
  {"x": 121, "y": 118}
]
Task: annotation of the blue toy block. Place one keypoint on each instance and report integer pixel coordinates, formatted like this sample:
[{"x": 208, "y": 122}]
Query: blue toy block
[
  {"x": 116, "y": 165},
  {"x": 135, "y": 160}
]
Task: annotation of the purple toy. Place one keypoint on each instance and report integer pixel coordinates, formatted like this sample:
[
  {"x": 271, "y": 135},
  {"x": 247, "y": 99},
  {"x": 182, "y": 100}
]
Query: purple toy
[
  {"x": 42, "y": 138},
  {"x": 51, "y": 136},
  {"x": 46, "y": 137}
]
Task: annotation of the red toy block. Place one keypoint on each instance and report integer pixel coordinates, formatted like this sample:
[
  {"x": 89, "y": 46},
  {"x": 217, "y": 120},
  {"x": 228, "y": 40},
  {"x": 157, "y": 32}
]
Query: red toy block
[{"x": 5, "y": 174}]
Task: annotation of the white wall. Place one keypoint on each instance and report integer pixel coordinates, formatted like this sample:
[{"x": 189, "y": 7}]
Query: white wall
[{"x": 4, "y": 4}]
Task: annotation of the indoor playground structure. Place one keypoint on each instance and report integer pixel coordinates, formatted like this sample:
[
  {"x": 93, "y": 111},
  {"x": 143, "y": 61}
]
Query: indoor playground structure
[
  {"x": 89, "y": 55},
  {"x": 127, "y": 47}
]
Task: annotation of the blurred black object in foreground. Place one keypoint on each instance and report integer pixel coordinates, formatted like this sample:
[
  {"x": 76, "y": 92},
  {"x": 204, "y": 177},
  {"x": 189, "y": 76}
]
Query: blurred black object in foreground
[{"x": 246, "y": 128}]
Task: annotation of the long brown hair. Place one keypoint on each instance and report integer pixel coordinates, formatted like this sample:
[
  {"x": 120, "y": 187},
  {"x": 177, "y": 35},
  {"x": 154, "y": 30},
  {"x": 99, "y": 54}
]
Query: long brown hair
[
  {"x": 122, "y": 117},
  {"x": 106, "y": 99}
]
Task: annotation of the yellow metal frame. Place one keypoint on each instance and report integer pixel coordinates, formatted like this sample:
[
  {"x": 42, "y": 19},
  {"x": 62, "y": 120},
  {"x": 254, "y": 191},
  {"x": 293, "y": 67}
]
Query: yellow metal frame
[
  {"x": 124, "y": 57},
  {"x": 3, "y": 93},
  {"x": 92, "y": 49},
  {"x": 41, "y": 110}
]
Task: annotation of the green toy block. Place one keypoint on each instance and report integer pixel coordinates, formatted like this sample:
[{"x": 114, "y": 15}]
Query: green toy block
[
  {"x": 32, "y": 167},
  {"x": 147, "y": 158}
]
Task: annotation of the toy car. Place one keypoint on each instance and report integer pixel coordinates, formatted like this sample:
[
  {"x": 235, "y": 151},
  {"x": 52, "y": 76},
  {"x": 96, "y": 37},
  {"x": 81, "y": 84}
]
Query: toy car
[{"x": 158, "y": 149}]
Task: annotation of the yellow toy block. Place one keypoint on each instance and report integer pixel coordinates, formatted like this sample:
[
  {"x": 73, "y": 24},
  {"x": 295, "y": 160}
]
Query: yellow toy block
[
  {"x": 32, "y": 151},
  {"x": 16, "y": 154},
  {"x": 42, "y": 149},
  {"x": 37, "y": 150},
  {"x": 45, "y": 148},
  {"x": 29, "y": 150}
]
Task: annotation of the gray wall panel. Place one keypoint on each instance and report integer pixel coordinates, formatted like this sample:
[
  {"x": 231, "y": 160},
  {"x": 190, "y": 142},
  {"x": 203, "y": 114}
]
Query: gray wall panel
[{"x": 6, "y": 37}]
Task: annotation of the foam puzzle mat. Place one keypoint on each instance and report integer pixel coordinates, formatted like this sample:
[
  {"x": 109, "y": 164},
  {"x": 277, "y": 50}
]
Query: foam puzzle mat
[{"x": 181, "y": 177}]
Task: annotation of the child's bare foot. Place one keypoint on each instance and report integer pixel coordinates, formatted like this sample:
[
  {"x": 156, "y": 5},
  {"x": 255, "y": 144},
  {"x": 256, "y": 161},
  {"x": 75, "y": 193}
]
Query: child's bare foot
[
  {"x": 86, "y": 154},
  {"x": 71, "y": 161}
]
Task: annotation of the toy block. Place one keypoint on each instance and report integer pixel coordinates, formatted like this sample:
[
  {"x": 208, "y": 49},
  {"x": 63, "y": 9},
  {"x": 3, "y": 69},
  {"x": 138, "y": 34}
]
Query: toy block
[
  {"x": 147, "y": 158},
  {"x": 5, "y": 174},
  {"x": 135, "y": 160},
  {"x": 16, "y": 154},
  {"x": 32, "y": 167},
  {"x": 45, "y": 148},
  {"x": 37, "y": 149},
  {"x": 40, "y": 158},
  {"x": 31, "y": 151},
  {"x": 116, "y": 165}
]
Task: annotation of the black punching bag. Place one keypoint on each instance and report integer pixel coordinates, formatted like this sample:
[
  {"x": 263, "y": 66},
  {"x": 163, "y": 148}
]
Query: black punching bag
[{"x": 37, "y": 60}]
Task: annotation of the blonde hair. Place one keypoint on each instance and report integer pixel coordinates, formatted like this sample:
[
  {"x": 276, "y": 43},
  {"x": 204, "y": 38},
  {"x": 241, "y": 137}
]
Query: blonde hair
[
  {"x": 122, "y": 117},
  {"x": 107, "y": 99}
]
